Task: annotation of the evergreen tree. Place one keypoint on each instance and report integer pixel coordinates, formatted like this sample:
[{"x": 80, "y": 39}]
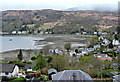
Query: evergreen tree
[
  {"x": 116, "y": 37},
  {"x": 20, "y": 55},
  {"x": 111, "y": 45}
]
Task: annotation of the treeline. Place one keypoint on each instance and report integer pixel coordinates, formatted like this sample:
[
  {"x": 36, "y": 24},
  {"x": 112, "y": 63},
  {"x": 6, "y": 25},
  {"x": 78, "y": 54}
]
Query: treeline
[{"x": 67, "y": 21}]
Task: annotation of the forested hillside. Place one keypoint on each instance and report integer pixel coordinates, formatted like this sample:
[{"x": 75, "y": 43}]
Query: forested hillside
[{"x": 58, "y": 21}]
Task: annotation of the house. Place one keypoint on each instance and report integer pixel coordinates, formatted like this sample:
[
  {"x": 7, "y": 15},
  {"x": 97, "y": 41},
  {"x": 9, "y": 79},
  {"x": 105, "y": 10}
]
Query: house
[
  {"x": 51, "y": 72},
  {"x": 27, "y": 67},
  {"x": 79, "y": 55},
  {"x": 106, "y": 41},
  {"x": 115, "y": 42},
  {"x": 105, "y": 58},
  {"x": 96, "y": 46},
  {"x": 35, "y": 32},
  {"x": 41, "y": 32},
  {"x": 95, "y": 33},
  {"x": 115, "y": 66},
  {"x": 84, "y": 51},
  {"x": 1, "y": 32},
  {"x": 14, "y": 32},
  {"x": 71, "y": 75},
  {"x": 103, "y": 33},
  {"x": 5, "y": 33},
  {"x": 90, "y": 49},
  {"x": 100, "y": 38},
  {"x": 24, "y": 32},
  {"x": 19, "y": 32},
  {"x": 9, "y": 70},
  {"x": 46, "y": 32},
  {"x": 99, "y": 32},
  {"x": 84, "y": 33},
  {"x": 78, "y": 33},
  {"x": 101, "y": 55},
  {"x": 71, "y": 53}
]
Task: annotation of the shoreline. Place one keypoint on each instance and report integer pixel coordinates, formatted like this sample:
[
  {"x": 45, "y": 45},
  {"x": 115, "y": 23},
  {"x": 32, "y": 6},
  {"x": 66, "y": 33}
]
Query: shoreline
[{"x": 58, "y": 40}]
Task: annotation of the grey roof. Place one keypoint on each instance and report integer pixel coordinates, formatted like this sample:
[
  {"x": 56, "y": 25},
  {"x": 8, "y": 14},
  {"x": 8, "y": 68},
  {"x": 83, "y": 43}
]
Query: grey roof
[
  {"x": 27, "y": 66},
  {"x": 6, "y": 68},
  {"x": 52, "y": 70},
  {"x": 71, "y": 75},
  {"x": 117, "y": 78}
]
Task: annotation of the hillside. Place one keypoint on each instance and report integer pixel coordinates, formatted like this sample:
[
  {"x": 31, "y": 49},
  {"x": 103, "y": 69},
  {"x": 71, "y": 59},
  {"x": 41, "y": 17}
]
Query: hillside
[{"x": 58, "y": 21}]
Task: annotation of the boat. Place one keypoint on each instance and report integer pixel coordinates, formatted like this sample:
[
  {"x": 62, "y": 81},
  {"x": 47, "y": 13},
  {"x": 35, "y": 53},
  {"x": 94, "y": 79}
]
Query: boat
[{"x": 10, "y": 39}]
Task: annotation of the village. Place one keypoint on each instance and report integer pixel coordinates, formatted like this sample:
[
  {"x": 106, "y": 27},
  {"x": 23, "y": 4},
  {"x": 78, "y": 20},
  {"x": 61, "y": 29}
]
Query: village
[{"x": 97, "y": 61}]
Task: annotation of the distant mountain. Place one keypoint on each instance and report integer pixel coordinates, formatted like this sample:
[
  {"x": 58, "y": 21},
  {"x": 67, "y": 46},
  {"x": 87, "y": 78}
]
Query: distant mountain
[
  {"x": 71, "y": 21},
  {"x": 94, "y": 7},
  {"x": 71, "y": 9}
]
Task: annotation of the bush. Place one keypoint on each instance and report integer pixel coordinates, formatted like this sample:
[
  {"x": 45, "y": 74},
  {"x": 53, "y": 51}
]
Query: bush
[
  {"x": 33, "y": 58},
  {"x": 5, "y": 78},
  {"x": 45, "y": 77},
  {"x": 21, "y": 79}
]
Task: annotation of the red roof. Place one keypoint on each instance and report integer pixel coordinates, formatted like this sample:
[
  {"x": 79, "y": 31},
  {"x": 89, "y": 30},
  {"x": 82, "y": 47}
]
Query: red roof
[{"x": 104, "y": 58}]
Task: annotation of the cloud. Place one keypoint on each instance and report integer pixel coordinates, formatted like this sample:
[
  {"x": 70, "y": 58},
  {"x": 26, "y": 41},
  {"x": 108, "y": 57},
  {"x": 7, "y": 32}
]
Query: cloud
[{"x": 56, "y": 4}]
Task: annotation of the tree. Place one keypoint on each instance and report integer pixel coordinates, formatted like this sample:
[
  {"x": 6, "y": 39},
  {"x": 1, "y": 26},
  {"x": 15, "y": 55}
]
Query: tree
[
  {"x": 37, "y": 25},
  {"x": 40, "y": 62},
  {"x": 118, "y": 30},
  {"x": 110, "y": 45},
  {"x": 67, "y": 46},
  {"x": 20, "y": 55},
  {"x": 76, "y": 50},
  {"x": 116, "y": 37},
  {"x": 60, "y": 62}
]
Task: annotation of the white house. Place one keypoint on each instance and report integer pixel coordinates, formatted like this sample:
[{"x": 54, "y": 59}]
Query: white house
[
  {"x": 24, "y": 32},
  {"x": 19, "y": 32},
  {"x": 14, "y": 32},
  {"x": 95, "y": 33},
  {"x": 90, "y": 49},
  {"x": 41, "y": 32},
  {"x": 84, "y": 51},
  {"x": 99, "y": 32},
  {"x": 46, "y": 32},
  {"x": 96, "y": 46},
  {"x": 9, "y": 70},
  {"x": 1, "y": 32},
  {"x": 84, "y": 33},
  {"x": 101, "y": 37},
  {"x": 106, "y": 41},
  {"x": 103, "y": 33},
  {"x": 35, "y": 32},
  {"x": 115, "y": 42}
]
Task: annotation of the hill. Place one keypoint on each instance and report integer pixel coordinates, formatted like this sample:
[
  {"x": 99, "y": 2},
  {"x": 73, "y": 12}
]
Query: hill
[{"x": 58, "y": 21}]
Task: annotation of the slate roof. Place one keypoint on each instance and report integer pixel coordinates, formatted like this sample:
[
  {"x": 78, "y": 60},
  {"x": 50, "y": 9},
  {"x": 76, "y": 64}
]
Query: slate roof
[
  {"x": 116, "y": 78},
  {"x": 7, "y": 68},
  {"x": 71, "y": 75},
  {"x": 27, "y": 66}
]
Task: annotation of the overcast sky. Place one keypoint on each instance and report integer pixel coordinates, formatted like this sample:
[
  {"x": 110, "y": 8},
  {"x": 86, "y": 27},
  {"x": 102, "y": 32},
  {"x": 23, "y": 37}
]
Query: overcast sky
[{"x": 57, "y": 4}]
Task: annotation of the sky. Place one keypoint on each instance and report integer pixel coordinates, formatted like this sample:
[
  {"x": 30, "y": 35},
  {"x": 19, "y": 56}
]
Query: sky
[{"x": 58, "y": 4}]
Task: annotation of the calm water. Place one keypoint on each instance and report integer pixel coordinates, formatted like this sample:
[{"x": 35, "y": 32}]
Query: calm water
[{"x": 18, "y": 42}]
